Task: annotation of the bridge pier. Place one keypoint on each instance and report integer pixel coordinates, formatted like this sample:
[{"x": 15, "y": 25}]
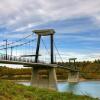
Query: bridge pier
[
  {"x": 73, "y": 76},
  {"x": 48, "y": 82}
]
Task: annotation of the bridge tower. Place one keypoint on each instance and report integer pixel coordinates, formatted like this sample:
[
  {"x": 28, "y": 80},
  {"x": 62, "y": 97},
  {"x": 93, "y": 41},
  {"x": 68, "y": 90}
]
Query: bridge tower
[
  {"x": 48, "y": 32},
  {"x": 73, "y": 75},
  {"x": 51, "y": 81}
]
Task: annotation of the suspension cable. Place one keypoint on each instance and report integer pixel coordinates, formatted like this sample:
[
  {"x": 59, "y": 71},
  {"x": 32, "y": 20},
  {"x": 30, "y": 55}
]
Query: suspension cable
[
  {"x": 58, "y": 52},
  {"x": 45, "y": 45},
  {"x": 19, "y": 44},
  {"x": 17, "y": 40}
]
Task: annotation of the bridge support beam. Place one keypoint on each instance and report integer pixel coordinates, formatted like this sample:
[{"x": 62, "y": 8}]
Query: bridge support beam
[
  {"x": 73, "y": 76},
  {"x": 52, "y": 55},
  {"x": 37, "y": 49},
  {"x": 49, "y": 82}
]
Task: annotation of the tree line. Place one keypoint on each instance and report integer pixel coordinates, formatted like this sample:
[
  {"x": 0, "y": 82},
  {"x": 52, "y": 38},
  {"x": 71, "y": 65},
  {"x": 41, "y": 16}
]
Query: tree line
[{"x": 88, "y": 70}]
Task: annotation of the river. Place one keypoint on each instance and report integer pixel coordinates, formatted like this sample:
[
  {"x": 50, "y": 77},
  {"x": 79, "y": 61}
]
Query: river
[{"x": 91, "y": 88}]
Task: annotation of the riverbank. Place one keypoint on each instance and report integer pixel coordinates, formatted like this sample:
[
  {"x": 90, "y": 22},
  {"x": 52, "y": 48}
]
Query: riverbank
[
  {"x": 12, "y": 91},
  {"x": 80, "y": 80},
  {"x": 25, "y": 80}
]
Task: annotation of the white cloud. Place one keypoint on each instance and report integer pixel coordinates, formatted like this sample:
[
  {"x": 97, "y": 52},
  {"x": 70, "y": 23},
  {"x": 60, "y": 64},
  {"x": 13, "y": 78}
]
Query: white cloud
[
  {"x": 21, "y": 15},
  {"x": 79, "y": 55},
  {"x": 16, "y": 14}
]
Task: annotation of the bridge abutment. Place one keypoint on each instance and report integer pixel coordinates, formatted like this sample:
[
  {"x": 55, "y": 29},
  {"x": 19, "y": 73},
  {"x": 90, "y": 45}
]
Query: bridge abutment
[
  {"x": 44, "y": 81},
  {"x": 73, "y": 76}
]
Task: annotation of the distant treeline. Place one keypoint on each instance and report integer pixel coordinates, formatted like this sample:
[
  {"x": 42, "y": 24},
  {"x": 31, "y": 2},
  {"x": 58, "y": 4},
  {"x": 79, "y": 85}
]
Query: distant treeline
[
  {"x": 88, "y": 70},
  {"x": 25, "y": 73},
  {"x": 12, "y": 73}
]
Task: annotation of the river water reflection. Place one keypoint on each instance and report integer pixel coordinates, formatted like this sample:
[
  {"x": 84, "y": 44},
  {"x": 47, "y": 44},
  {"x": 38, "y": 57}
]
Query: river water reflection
[{"x": 91, "y": 88}]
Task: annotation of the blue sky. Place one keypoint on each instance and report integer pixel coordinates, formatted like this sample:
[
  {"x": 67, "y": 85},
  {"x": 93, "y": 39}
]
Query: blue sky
[{"x": 76, "y": 22}]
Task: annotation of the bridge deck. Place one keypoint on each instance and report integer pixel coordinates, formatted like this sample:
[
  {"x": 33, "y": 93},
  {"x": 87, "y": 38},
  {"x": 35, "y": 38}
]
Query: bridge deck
[
  {"x": 31, "y": 64},
  {"x": 28, "y": 64}
]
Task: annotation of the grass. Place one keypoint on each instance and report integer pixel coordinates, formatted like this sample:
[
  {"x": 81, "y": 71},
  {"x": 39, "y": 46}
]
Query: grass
[{"x": 12, "y": 91}]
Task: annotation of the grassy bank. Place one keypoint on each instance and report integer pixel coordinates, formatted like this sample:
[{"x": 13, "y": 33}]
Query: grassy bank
[{"x": 12, "y": 91}]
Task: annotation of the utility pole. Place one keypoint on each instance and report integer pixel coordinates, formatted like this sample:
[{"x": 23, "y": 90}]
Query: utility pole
[{"x": 6, "y": 47}]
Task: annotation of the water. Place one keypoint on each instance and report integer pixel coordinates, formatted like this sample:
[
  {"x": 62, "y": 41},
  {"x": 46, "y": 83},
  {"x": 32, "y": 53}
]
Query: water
[{"x": 91, "y": 88}]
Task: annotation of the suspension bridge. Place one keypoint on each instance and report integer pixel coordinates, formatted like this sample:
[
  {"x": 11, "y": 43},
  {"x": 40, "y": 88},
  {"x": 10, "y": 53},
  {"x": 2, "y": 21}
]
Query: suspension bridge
[{"x": 28, "y": 59}]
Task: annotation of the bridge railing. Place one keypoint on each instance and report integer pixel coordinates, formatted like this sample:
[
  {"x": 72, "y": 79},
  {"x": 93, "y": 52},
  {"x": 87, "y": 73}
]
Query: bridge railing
[
  {"x": 69, "y": 66},
  {"x": 22, "y": 59},
  {"x": 17, "y": 58}
]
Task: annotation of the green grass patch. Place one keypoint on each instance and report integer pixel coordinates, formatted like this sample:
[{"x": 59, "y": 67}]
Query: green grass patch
[{"x": 12, "y": 91}]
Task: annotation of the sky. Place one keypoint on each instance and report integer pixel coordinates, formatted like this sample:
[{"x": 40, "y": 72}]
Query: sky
[{"x": 76, "y": 22}]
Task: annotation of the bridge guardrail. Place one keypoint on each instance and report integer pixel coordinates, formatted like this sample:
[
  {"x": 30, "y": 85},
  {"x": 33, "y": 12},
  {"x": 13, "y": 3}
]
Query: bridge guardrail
[
  {"x": 17, "y": 58},
  {"x": 14, "y": 58}
]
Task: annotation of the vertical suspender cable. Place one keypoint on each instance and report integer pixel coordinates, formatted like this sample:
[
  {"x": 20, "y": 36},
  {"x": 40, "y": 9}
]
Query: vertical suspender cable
[{"x": 58, "y": 52}]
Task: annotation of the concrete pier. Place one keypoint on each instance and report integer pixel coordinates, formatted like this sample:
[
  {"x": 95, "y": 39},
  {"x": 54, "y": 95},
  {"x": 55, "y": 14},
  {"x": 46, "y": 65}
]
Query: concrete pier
[
  {"x": 52, "y": 78},
  {"x": 73, "y": 76},
  {"x": 50, "y": 81}
]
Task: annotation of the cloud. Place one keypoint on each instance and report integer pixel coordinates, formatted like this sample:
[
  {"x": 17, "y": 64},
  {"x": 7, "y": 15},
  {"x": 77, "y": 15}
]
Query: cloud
[
  {"x": 76, "y": 22},
  {"x": 89, "y": 56},
  {"x": 16, "y": 14}
]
